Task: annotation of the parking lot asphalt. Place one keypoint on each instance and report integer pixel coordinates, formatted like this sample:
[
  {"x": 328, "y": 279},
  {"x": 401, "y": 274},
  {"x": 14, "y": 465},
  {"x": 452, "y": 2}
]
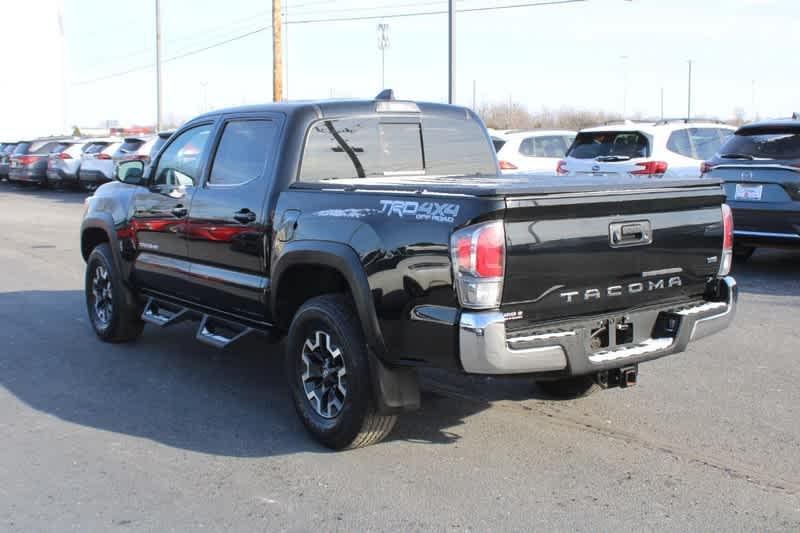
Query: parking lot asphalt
[{"x": 168, "y": 434}]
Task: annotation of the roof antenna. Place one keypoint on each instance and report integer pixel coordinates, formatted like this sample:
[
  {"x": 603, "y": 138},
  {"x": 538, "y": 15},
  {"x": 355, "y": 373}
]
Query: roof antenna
[{"x": 386, "y": 94}]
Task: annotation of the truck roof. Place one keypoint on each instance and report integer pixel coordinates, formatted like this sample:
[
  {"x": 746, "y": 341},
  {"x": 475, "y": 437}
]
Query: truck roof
[{"x": 334, "y": 108}]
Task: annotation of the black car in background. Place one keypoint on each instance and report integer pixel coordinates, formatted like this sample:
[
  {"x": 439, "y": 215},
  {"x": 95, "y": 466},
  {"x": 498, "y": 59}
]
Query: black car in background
[
  {"x": 29, "y": 159},
  {"x": 5, "y": 154},
  {"x": 760, "y": 165}
]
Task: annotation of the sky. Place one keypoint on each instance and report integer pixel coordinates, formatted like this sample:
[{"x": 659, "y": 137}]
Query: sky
[{"x": 585, "y": 55}]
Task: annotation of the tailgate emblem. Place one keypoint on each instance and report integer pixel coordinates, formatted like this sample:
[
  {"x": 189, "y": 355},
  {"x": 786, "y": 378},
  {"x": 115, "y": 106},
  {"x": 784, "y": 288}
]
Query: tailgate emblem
[
  {"x": 746, "y": 175},
  {"x": 633, "y": 233}
]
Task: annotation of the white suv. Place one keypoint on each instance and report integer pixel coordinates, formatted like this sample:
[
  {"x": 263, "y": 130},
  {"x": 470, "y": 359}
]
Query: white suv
[
  {"x": 668, "y": 148},
  {"x": 531, "y": 150}
]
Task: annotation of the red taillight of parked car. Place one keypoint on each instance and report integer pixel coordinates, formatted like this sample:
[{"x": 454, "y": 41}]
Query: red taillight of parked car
[
  {"x": 561, "y": 168},
  {"x": 507, "y": 165},
  {"x": 26, "y": 160},
  {"x": 650, "y": 168},
  {"x": 706, "y": 167},
  {"x": 64, "y": 155},
  {"x": 103, "y": 156}
]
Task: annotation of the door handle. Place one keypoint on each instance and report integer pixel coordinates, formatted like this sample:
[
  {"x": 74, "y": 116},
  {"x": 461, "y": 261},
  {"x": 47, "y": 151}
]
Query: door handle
[
  {"x": 245, "y": 216},
  {"x": 179, "y": 211}
]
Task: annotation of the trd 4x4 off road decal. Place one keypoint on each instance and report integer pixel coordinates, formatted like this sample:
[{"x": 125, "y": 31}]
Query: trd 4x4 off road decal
[{"x": 435, "y": 211}]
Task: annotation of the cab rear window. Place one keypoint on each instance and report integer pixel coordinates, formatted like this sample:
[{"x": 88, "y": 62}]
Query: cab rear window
[{"x": 590, "y": 145}]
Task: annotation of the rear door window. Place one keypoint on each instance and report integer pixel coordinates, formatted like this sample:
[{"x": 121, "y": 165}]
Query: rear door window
[
  {"x": 243, "y": 152},
  {"x": 590, "y": 145}
]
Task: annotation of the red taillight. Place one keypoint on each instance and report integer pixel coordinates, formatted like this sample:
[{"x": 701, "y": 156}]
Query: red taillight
[
  {"x": 706, "y": 167},
  {"x": 727, "y": 241},
  {"x": 479, "y": 255},
  {"x": 26, "y": 160},
  {"x": 561, "y": 168},
  {"x": 490, "y": 252},
  {"x": 727, "y": 225},
  {"x": 101, "y": 155},
  {"x": 64, "y": 155},
  {"x": 650, "y": 167},
  {"x": 506, "y": 165}
]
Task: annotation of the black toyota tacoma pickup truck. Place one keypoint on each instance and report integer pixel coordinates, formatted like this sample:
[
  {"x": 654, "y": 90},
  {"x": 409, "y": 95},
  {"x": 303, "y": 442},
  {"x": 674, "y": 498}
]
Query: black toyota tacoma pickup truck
[{"x": 378, "y": 237}]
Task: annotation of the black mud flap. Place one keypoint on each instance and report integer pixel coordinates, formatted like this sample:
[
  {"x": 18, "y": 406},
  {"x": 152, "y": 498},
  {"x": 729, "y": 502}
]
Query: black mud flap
[{"x": 396, "y": 389}]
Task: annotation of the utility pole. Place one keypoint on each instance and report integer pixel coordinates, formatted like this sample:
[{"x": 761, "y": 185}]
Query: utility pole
[
  {"x": 277, "y": 53},
  {"x": 689, "y": 102},
  {"x": 286, "y": 49},
  {"x": 159, "y": 110},
  {"x": 451, "y": 51},
  {"x": 383, "y": 44}
]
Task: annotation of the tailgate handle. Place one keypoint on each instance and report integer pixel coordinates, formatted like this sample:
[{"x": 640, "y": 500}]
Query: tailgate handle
[{"x": 634, "y": 233}]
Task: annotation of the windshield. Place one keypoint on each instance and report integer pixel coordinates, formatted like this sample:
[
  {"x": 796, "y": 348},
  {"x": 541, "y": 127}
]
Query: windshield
[
  {"x": 762, "y": 145},
  {"x": 624, "y": 144},
  {"x": 390, "y": 146}
]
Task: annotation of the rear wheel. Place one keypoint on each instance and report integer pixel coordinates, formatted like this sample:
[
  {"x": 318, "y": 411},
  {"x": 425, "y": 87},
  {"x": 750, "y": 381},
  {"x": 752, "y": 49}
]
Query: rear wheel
[
  {"x": 568, "y": 388},
  {"x": 111, "y": 307},
  {"x": 327, "y": 366}
]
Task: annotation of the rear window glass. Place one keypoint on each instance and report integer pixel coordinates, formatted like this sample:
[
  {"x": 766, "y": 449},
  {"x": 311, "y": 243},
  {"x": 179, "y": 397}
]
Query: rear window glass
[
  {"x": 43, "y": 147},
  {"x": 763, "y": 145},
  {"x": 58, "y": 148},
  {"x": 498, "y": 143},
  {"x": 545, "y": 146},
  {"x": 94, "y": 147},
  {"x": 131, "y": 145},
  {"x": 357, "y": 148},
  {"x": 22, "y": 148},
  {"x": 9, "y": 148},
  {"x": 590, "y": 145}
]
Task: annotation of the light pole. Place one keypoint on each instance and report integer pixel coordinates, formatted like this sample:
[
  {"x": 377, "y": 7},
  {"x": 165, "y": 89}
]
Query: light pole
[
  {"x": 451, "y": 51},
  {"x": 689, "y": 96},
  {"x": 383, "y": 44},
  {"x": 158, "y": 66}
]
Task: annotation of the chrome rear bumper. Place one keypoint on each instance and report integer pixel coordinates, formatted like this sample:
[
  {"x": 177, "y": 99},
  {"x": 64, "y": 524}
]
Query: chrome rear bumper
[{"x": 485, "y": 347}]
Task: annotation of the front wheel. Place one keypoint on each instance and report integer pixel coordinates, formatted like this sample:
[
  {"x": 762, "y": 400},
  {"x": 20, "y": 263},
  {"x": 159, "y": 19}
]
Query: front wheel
[
  {"x": 327, "y": 366},
  {"x": 112, "y": 309}
]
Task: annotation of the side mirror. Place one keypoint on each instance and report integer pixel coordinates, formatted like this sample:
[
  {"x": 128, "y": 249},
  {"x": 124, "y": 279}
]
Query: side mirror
[{"x": 131, "y": 172}]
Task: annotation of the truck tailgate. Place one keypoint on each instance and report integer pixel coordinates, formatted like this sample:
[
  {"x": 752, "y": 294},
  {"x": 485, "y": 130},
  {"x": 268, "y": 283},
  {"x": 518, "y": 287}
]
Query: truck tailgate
[{"x": 590, "y": 253}]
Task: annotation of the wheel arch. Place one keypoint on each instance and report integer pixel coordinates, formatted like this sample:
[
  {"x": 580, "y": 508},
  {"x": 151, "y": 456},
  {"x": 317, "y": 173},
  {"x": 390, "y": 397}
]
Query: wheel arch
[
  {"x": 96, "y": 230},
  {"x": 339, "y": 265}
]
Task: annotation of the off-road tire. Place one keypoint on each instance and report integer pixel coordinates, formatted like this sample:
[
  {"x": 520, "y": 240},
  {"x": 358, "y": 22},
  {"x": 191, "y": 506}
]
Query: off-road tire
[
  {"x": 569, "y": 388},
  {"x": 122, "y": 320},
  {"x": 356, "y": 423}
]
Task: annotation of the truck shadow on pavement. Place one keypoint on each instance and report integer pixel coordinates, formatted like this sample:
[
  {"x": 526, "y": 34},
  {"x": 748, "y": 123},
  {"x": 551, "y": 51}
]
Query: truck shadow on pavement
[
  {"x": 171, "y": 389},
  {"x": 770, "y": 272}
]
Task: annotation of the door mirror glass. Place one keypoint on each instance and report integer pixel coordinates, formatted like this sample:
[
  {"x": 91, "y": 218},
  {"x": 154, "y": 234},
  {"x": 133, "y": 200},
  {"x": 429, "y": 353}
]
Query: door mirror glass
[{"x": 131, "y": 172}]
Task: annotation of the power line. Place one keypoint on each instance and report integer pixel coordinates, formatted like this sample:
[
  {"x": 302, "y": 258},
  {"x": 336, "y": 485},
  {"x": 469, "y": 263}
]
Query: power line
[{"x": 313, "y": 21}]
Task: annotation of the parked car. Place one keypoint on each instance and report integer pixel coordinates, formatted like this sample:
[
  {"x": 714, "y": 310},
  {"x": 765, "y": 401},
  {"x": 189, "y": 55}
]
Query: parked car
[
  {"x": 378, "y": 236},
  {"x": 532, "y": 150},
  {"x": 5, "y": 156},
  {"x": 62, "y": 167},
  {"x": 97, "y": 166},
  {"x": 29, "y": 159},
  {"x": 147, "y": 149},
  {"x": 760, "y": 166},
  {"x": 669, "y": 148}
]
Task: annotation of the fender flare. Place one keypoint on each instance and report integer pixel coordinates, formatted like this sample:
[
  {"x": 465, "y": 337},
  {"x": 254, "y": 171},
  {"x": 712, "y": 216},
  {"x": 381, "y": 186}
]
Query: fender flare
[
  {"x": 105, "y": 223},
  {"x": 344, "y": 260}
]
